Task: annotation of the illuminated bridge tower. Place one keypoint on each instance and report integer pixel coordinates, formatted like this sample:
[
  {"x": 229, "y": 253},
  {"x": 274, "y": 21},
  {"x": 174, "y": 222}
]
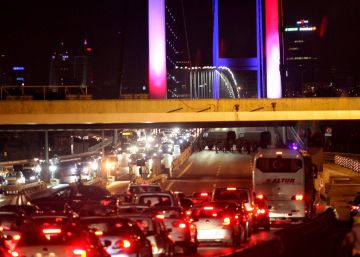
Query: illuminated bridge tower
[{"x": 246, "y": 40}]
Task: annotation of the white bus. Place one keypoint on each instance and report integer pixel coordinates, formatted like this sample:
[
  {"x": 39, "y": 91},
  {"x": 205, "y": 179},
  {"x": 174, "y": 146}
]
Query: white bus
[{"x": 284, "y": 178}]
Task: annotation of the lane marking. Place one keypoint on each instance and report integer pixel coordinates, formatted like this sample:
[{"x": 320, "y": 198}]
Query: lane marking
[{"x": 179, "y": 175}]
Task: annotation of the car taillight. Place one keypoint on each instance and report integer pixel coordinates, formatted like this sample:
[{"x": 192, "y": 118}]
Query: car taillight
[
  {"x": 260, "y": 196},
  {"x": 16, "y": 237},
  {"x": 208, "y": 208},
  {"x": 249, "y": 209},
  {"x": 182, "y": 225},
  {"x": 79, "y": 253},
  {"x": 122, "y": 244},
  {"x": 231, "y": 188},
  {"x": 188, "y": 213},
  {"x": 160, "y": 216},
  {"x": 355, "y": 208},
  {"x": 297, "y": 197},
  {"x": 99, "y": 233},
  {"x": 51, "y": 230},
  {"x": 226, "y": 221},
  {"x": 260, "y": 211},
  {"x": 204, "y": 195},
  {"x": 14, "y": 254}
]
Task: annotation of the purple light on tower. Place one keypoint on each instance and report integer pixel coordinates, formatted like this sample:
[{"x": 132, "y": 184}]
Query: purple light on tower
[
  {"x": 273, "y": 80},
  {"x": 157, "y": 49}
]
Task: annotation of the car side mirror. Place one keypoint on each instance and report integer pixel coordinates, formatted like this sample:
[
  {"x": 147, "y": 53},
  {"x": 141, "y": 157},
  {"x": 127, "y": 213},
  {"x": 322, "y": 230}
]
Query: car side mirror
[{"x": 107, "y": 243}]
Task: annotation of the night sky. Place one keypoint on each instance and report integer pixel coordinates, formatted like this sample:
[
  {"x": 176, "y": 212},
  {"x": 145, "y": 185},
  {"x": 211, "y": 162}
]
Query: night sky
[{"x": 32, "y": 30}]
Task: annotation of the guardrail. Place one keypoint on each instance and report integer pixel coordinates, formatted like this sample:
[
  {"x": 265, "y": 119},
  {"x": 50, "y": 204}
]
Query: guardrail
[
  {"x": 25, "y": 188},
  {"x": 348, "y": 162}
]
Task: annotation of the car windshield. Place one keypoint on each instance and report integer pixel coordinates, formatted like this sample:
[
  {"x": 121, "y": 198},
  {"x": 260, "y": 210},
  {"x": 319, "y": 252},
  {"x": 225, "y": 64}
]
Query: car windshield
[
  {"x": 13, "y": 175},
  {"x": 155, "y": 200},
  {"x": 111, "y": 226},
  {"x": 144, "y": 189},
  {"x": 241, "y": 195}
]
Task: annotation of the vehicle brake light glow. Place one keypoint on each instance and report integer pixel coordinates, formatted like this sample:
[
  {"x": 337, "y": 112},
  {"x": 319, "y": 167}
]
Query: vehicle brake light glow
[
  {"x": 16, "y": 237},
  {"x": 182, "y": 225},
  {"x": 355, "y": 207},
  {"x": 15, "y": 254},
  {"x": 226, "y": 221},
  {"x": 279, "y": 153},
  {"x": 204, "y": 195},
  {"x": 260, "y": 196},
  {"x": 51, "y": 230},
  {"x": 208, "y": 208},
  {"x": 236, "y": 217},
  {"x": 214, "y": 214},
  {"x": 160, "y": 216},
  {"x": 99, "y": 233},
  {"x": 249, "y": 209},
  {"x": 260, "y": 211},
  {"x": 299, "y": 197},
  {"x": 123, "y": 244},
  {"x": 188, "y": 213},
  {"x": 231, "y": 188},
  {"x": 79, "y": 252}
]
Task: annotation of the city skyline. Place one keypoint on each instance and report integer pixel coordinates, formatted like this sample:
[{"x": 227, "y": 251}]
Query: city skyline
[{"x": 31, "y": 31}]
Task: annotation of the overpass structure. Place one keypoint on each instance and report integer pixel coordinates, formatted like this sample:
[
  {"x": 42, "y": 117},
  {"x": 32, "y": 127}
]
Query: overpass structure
[{"x": 200, "y": 112}]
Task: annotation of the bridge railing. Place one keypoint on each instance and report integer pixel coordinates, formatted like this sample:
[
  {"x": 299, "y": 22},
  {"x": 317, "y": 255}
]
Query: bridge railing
[{"x": 12, "y": 92}]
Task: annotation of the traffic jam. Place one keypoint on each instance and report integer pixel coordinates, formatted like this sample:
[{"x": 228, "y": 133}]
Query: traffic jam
[
  {"x": 78, "y": 219},
  {"x": 84, "y": 220}
]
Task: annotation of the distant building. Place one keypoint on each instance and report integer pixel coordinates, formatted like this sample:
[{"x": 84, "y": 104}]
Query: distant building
[
  {"x": 60, "y": 73},
  {"x": 18, "y": 75},
  {"x": 4, "y": 70},
  {"x": 83, "y": 66},
  {"x": 301, "y": 57}
]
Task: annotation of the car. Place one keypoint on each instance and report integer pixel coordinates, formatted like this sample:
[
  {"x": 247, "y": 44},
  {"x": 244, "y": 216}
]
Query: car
[
  {"x": 30, "y": 174},
  {"x": 14, "y": 178},
  {"x": 237, "y": 194},
  {"x": 215, "y": 224},
  {"x": 23, "y": 210},
  {"x": 200, "y": 197},
  {"x": 121, "y": 236},
  {"x": 135, "y": 188},
  {"x": 182, "y": 231},
  {"x": 239, "y": 217},
  {"x": 157, "y": 199},
  {"x": 155, "y": 231},
  {"x": 5, "y": 251},
  {"x": 10, "y": 226},
  {"x": 60, "y": 241},
  {"x": 75, "y": 196}
]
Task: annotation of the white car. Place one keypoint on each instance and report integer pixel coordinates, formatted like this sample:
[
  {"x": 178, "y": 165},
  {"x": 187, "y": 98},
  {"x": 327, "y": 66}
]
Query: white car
[
  {"x": 182, "y": 231},
  {"x": 14, "y": 178},
  {"x": 58, "y": 242},
  {"x": 121, "y": 236}
]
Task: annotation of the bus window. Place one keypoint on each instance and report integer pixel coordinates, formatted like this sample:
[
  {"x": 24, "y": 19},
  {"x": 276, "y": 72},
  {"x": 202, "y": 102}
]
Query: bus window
[{"x": 278, "y": 165}]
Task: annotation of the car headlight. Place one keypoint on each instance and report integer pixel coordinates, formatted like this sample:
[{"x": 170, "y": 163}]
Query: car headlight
[{"x": 32, "y": 178}]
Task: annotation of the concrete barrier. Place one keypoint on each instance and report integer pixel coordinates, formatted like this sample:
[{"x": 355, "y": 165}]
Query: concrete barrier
[{"x": 24, "y": 188}]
